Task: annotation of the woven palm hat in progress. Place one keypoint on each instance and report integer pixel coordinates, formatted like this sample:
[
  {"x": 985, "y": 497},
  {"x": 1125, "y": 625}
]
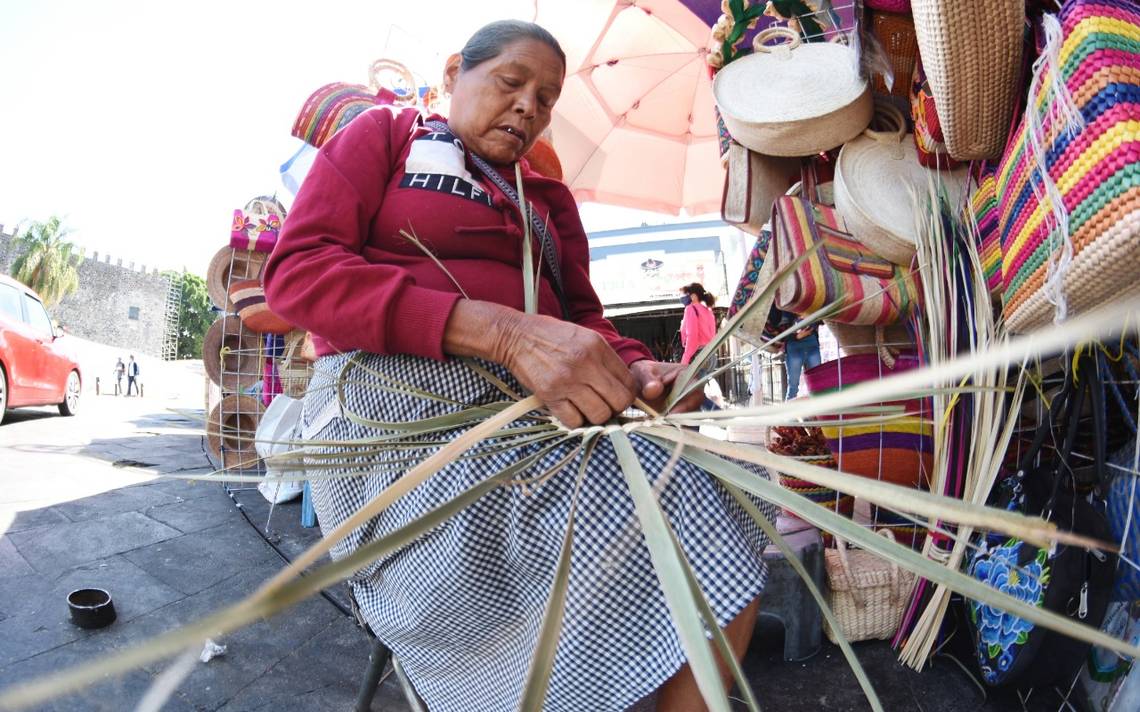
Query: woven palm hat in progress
[
  {"x": 230, "y": 264},
  {"x": 230, "y": 430},
  {"x": 877, "y": 180},
  {"x": 231, "y": 355},
  {"x": 971, "y": 52},
  {"x": 793, "y": 99}
]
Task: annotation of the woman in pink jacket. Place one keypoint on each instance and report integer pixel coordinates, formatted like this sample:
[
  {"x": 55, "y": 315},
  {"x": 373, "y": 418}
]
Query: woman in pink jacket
[{"x": 698, "y": 325}]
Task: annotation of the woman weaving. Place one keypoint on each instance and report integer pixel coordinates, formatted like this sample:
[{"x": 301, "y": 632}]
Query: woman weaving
[{"x": 461, "y": 606}]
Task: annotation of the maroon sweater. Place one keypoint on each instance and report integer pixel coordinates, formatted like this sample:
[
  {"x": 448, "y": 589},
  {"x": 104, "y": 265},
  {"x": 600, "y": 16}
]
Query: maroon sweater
[{"x": 342, "y": 271}]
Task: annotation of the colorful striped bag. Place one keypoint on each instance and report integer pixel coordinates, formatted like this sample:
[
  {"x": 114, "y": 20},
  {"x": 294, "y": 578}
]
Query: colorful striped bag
[
  {"x": 984, "y": 208},
  {"x": 899, "y": 451},
  {"x": 1070, "y": 208},
  {"x": 872, "y": 289}
]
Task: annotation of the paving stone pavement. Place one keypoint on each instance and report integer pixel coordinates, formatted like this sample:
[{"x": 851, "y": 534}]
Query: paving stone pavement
[{"x": 171, "y": 551}]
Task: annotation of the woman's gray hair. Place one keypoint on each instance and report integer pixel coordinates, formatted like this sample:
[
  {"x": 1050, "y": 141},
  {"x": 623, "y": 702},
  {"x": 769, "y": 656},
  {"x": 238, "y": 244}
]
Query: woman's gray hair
[{"x": 490, "y": 40}]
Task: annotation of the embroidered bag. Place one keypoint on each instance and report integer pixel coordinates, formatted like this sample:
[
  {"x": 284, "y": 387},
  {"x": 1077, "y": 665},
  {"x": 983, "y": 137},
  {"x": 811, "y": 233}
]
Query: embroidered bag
[
  {"x": 1070, "y": 210},
  {"x": 872, "y": 290},
  {"x": 1068, "y": 580}
]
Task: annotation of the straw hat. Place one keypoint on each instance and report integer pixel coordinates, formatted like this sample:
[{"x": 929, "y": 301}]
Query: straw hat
[
  {"x": 231, "y": 355},
  {"x": 875, "y": 177},
  {"x": 228, "y": 264},
  {"x": 971, "y": 52},
  {"x": 793, "y": 99},
  {"x": 248, "y": 298},
  {"x": 230, "y": 430}
]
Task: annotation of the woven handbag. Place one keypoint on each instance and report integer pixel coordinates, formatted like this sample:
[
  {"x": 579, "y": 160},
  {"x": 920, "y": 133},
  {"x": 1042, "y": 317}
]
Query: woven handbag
[
  {"x": 868, "y": 594},
  {"x": 928, "y": 138},
  {"x": 752, "y": 183},
  {"x": 842, "y": 270},
  {"x": 895, "y": 33},
  {"x": 984, "y": 208},
  {"x": 899, "y": 451},
  {"x": 1093, "y": 173},
  {"x": 971, "y": 52}
]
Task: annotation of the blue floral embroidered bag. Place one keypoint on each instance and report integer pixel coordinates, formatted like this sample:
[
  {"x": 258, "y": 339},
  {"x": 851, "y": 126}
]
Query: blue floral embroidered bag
[{"x": 1069, "y": 580}]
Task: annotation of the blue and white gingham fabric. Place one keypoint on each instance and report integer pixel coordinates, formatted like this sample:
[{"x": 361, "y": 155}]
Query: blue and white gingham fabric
[{"x": 462, "y": 606}]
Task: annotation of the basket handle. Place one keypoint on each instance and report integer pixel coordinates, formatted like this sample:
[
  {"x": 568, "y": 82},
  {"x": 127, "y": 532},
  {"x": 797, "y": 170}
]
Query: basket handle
[
  {"x": 786, "y": 33},
  {"x": 889, "y": 115},
  {"x": 856, "y": 593},
  {"x": 380, "y": 66}
]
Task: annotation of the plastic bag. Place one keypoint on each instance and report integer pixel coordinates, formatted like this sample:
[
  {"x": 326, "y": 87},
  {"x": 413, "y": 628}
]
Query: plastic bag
[{"x": 280, "y": 424}]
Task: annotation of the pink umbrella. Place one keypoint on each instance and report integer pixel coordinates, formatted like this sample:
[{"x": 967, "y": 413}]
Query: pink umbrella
[{"x": 635, "y": 125}]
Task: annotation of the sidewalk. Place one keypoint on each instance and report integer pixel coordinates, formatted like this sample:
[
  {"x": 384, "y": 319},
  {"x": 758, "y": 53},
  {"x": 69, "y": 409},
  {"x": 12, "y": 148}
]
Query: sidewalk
[{"x": 80, "y": 506}]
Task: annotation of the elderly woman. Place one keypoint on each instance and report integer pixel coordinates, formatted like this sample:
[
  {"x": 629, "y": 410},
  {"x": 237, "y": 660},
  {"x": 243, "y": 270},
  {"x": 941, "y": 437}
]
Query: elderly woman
[{"x": 462, "y": 606}]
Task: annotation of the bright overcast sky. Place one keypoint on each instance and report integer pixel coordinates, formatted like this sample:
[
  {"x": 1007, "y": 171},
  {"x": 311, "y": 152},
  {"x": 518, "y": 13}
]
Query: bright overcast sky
[{"x": 144, "y": 124}]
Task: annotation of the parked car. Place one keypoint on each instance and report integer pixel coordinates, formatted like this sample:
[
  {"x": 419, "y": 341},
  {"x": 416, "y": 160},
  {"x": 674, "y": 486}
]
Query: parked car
[{"x": 35, "y": 368}]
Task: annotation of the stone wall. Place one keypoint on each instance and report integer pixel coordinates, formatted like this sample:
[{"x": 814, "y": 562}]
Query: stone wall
[{"x": 116, "y": 304}]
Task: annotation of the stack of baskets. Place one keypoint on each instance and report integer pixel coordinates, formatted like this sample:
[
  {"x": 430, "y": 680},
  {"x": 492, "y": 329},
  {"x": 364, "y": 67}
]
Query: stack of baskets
[{"x": 250, "y": 354}]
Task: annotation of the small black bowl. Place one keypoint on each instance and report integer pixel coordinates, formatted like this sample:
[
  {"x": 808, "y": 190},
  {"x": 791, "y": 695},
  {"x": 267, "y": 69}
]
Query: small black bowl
[{"x": 91, "y": 608}]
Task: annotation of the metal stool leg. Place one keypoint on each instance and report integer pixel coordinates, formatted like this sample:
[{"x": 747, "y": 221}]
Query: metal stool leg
[{"x": 377, "y": 661}]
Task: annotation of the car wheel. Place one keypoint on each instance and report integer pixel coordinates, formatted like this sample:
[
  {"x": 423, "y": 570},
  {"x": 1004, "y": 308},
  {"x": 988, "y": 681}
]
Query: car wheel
[
  {"x": 70, "y": 402},
  {"x": 3, "y": 393}
]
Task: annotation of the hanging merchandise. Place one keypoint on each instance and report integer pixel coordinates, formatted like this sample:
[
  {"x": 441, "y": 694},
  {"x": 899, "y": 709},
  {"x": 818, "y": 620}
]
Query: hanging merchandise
[
  {"x": 898, "y": 450},
  {"x": 248, "y": 298},
  {"x": 227, "y": 265},
  {"x": 1066, "y": 579},
  {"x": 330, "y": 108},
  {"x": 280, "y": 425},
  {"x": 895, "y": 34},
  {"x": 793, "y": 99},
  {"x": 889, "y": 5},
  {"x": 231, "y": 355},
  {"x": 929, "y": 140},
  {"x": 971, "y": 52},
  {"x": 886, "y": 341},
  {"x": 1069, "y": 184},
  {"x": 230, "y": 426},
  {"x": 877, "y": 181},
  {"x": 752, "y": 184},
  {"x": 1110, "y": 681},
  {"x": 868, "y": 594},
  {"x": 870, "y": 289},
  {"x": 984, "y": 209},
  {"x": 761, "y": 328}
]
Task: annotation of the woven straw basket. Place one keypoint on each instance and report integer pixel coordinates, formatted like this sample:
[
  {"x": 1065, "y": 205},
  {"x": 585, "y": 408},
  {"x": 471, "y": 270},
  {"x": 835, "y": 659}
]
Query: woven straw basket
[
  {"x": 971, "y": 52},
  {"x": 895, "y": 32},
  {"x": 294, "y": 368},
  {"x": 868, "y": 594},
  {"x": 875, "y": 178},
  {"x": 793, "y": 99}
]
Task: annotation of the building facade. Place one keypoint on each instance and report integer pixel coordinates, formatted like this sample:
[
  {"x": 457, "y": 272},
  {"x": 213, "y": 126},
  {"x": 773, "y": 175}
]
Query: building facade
[{"x": 116, "y": 304}]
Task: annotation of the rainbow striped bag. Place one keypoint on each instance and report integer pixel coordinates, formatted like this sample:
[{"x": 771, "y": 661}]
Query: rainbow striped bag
[
  {"x": 873, "y": 290},
  {"x": 1070, "y": 212},
  {"x": 984, "y": 207}
]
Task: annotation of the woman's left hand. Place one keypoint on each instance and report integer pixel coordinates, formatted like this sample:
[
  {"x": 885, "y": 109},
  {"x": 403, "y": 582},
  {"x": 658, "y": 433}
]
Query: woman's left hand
[{"x": 655, "y": 379}]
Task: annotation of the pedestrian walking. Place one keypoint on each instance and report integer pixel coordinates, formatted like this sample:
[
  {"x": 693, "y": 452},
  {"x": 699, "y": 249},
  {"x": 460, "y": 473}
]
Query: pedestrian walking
[
  {"x": 120, "y": 369},
  {"x": 133, "y": 376}
]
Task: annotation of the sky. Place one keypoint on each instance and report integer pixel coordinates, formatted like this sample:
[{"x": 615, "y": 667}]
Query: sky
[{"x": 145, "y": 124}]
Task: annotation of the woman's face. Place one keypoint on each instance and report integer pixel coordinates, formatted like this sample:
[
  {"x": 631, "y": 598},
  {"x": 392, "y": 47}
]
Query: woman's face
[{"x": 500, "y": 107}]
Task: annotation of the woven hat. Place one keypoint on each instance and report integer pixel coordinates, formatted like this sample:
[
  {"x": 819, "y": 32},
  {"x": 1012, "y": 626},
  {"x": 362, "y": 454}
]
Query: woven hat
[
  {"x": 248, "y": 297},
  {"x": 228, "y": 264},
  {"x": 231, "y": 355},
  {"x": 794, "y": 99},
  {"x": 230, "y": 430},
  {"x": 876, "y": 177},
  {"x": 971, "y": 52}
]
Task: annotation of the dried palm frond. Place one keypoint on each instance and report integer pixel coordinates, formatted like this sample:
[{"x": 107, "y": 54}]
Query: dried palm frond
[{"x": 475, "y": 427}]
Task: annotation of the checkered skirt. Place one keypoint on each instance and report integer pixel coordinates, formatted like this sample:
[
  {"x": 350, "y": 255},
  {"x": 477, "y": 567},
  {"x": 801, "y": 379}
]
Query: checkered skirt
[{"x": 462, "y": 606}]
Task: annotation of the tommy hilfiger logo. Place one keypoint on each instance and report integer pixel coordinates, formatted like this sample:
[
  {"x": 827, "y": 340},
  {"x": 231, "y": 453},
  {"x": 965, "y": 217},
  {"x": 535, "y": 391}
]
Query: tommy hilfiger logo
[
  {"x": 451, "y": 185},
  {"x": 438, "y": 162}
]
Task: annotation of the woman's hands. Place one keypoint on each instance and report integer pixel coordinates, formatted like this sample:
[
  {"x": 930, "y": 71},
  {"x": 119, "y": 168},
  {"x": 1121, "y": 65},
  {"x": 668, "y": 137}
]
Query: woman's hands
[
  {"x": 654, "y": 381},
  {"x": 571, "y": 368}
]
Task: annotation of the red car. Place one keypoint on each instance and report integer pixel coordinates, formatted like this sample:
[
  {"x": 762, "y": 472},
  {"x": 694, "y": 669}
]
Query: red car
[{"x": 34, "y": 368}]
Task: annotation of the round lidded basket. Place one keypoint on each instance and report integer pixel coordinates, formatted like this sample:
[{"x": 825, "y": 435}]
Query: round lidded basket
[
  {"x": 877, "y": 180},
  {"x": 793, "y": 99}
]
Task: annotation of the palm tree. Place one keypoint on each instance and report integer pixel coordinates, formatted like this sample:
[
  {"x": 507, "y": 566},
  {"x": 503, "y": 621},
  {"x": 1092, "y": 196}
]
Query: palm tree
[{"x": 45, "y": 263}]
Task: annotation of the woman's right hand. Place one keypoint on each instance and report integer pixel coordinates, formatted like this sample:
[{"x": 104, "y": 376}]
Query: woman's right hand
[{"x": 571, "y": 368}]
